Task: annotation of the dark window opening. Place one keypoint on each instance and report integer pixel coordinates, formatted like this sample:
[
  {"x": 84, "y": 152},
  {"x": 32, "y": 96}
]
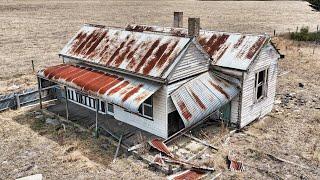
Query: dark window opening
[
  {"x": 102, "y": 105},
  {"x": 261, "y": 79},
  {"x": 146, "y": 108},
  {"x": 175, "y": 123}
]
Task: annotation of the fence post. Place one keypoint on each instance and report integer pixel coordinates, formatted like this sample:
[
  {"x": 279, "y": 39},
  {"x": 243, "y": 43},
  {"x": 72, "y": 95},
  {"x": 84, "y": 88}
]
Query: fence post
[
  {"x": 40, "y": 91},
  {"x": 32, "y": 65},
  {"x": 18, "y": 101}
]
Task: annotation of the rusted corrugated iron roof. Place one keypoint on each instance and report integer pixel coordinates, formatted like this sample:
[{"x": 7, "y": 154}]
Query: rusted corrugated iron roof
[
  {"x": 123, "y": 91},
  {"x": 160, "y": 146},
  {"x": 147, "y": 54},
  {"x": 232, "y": 50},
  {"x": 201, "y": 96},
  {"x": 187, "y": 175}
]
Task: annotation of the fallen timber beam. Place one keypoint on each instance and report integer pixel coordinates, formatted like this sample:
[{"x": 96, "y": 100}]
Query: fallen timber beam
[
  {"x": 117, "y": 151},
  {"x": 276, "y": 158},
  {"x": 201, "y": 141}
]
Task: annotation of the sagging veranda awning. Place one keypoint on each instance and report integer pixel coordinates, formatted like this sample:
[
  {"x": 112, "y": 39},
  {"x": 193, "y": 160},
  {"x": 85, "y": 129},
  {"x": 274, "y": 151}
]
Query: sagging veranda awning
[
  {"x": 202, "y": 96},
  {"x": 123, "y": 91}
]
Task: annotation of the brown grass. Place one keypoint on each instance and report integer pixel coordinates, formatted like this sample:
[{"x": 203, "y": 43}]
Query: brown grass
[
  {"x": 38, "y": 30},
  {"x": 29, "y": 146}
]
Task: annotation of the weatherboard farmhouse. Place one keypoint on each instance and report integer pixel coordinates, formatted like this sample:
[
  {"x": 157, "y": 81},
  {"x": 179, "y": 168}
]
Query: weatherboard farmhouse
[{"x": 164, "y": 79}]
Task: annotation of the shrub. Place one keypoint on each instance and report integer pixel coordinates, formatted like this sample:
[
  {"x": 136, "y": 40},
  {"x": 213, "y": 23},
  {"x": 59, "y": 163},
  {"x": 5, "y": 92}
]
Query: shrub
[
  {"x": 305, "y": 35},
  {"x": 315, "y": 4}
]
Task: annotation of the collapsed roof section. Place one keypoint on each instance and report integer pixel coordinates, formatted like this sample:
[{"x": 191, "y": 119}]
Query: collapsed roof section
[
  {"x": 201, "y": 96},
  {"x": 122, "y": 91},
  {"x": 230, "y": 50},
  {"x": 147, "y": 54}
]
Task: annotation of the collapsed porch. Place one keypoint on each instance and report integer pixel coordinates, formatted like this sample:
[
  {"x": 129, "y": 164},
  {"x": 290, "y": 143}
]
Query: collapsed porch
[{"x": 107, "y": 124}]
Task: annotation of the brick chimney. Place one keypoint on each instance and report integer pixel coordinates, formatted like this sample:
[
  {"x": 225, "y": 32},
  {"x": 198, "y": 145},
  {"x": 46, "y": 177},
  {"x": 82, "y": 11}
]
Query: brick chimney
[
  {"x": 193, "y": 26},
  {"x": 178, "y": 19}
]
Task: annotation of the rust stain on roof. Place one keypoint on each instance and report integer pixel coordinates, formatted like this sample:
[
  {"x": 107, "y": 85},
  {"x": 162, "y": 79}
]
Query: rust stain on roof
[
  {"x": 185, "y": 112},
  {"x": 132, "y": 92},
  {"x": 198, "y": 100},
  {"x": 143, "y": 53},
  {"x": 217, "y": 87},
  {"x": 239, "y": 42},
  {"x": 231, "y": 50},
  {"x": 120, "y": 90},
  {"x": 256, "y": 46}
]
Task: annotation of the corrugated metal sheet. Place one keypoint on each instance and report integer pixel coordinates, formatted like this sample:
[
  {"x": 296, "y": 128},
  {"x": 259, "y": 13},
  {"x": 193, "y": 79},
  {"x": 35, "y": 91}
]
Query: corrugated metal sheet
[
  {"x": 160, "y": 146},
  {"x": 187, "y": 175},
  {"x": 144, "y": 53},
  {"x": 232, "y": 50},
  {"x": 235, "y": 51},
  {"x": 202, "y": 96},
  {"x": 123, "y": 91}
]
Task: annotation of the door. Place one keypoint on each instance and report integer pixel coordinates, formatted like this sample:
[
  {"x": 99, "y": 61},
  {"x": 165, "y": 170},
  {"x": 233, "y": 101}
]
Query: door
[{"x": 225, "y": 113}]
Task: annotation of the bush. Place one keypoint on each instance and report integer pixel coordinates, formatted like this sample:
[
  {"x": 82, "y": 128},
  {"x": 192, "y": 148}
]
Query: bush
[
  {"x": 315, "y": 4},
  {"x": 305, "y": 35}
]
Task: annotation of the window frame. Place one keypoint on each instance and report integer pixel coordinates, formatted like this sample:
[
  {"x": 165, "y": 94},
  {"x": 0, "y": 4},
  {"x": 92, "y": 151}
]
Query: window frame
[
  {"x": 110, "y": 112},
  {"x": 263, "y": 84},
  {"x": 149, "y": 105}
]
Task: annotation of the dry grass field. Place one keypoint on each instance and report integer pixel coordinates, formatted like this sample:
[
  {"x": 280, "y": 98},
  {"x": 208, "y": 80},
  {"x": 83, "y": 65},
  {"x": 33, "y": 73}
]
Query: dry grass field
[
  {"x": 37, "y": 30},
  {"x": 29, "y": 146}
]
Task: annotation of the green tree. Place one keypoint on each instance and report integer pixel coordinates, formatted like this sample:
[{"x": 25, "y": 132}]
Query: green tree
[{"x": 315, "y": 4}]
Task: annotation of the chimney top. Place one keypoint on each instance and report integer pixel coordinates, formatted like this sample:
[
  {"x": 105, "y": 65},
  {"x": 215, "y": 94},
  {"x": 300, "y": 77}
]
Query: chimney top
[
  {"x": 177, "y": 19},
  {"x": 193, "y": 27}
]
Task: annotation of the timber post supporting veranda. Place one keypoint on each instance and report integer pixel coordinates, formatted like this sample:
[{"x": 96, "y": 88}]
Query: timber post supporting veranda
[
  {"x": 40, "y": 90},
  {"x": 67, "y": 105},
  {"x": 97, "y": 111}
]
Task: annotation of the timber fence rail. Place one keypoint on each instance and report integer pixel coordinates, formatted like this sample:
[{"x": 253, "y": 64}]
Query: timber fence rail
[{"x": 25, "y": 98}]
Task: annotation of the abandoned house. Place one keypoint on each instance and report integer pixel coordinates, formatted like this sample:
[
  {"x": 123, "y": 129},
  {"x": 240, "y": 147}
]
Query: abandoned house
[{"x": 163, "y": 79}]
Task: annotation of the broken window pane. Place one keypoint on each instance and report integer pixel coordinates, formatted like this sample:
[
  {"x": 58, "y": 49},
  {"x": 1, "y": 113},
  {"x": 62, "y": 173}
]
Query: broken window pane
[
  {"x": 260, "y": 92},
  {"x": 260, "y": 84},
  {"x": 148, "y": 111},
  {"x": 148, "y": 101},
  {"x": 261, "y": 77}
]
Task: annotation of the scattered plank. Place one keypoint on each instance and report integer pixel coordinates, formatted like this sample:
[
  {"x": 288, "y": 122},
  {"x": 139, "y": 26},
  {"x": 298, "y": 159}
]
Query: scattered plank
[
  {"x": 117, "y": 151},
  {"x": 276, "y": 158},
  {"x": 201, "y": 141}
]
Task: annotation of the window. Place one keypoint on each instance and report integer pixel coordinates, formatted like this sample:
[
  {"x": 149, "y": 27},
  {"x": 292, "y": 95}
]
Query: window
[
  {"x": 69, "y": 96},
  {"x": 261, "y": 80},
  {"x": 146, "y": 108},
  {"x": 102, "y": 107},
  {"x": 110, "y": 108}
]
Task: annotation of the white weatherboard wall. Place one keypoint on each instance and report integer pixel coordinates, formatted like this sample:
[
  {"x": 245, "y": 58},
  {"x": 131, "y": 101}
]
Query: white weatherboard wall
[
  {"x": 192, "y": 62},
  {"x": 158, "y": 125},
  {"x": 250, "y": 110},
  {"x": 235, "y": 110}
]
